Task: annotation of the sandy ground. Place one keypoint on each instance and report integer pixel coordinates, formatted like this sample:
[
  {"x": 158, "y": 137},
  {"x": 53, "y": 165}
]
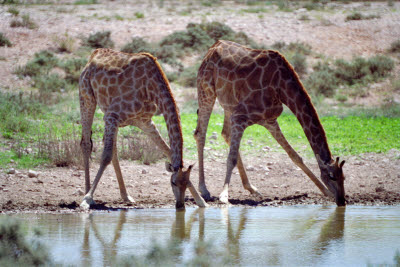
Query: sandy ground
[{"x": 372, "y": 179}]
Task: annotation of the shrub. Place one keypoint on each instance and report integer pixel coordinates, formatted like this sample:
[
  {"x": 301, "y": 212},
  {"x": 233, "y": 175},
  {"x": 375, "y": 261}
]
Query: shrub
[
  {"x": 4, "y": 40},
  {"x": 13, "y": 11},
  {"x": 359, "y": 16},
  {"x": 16, "y": 250},
  {"x": 188, "y": 77},
  {"x": 49, "y": 83},
  {"x": 395, "y": 47},
  {"x": 299, "y": 63},
  {"x": 24, "y": 22},
  {"x": 322, "y": 81},
  {"x": 73, "y": 68},
  {"x": 363, "y": 69},
  {"x": 139, "y": 15},
  {"x": 136, "y": 45},
  {"x": 99, "y": 40},
  {"x": 65, "y": 43},
  {"x": 42, "y": 62}
]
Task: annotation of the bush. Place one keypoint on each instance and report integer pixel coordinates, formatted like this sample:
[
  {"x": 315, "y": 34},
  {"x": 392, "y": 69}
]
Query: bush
[
  {"x": 188, "y": 77},
  {"x": 136, "y": 45},
  {"x": 49, "y": 83},
  {"x": 395, "y": 47},
  {"x": 361, "y": 69},
  {"x": 4, "y": 40},
  {"x": 42, "y": 62},
  {"x": 65, "y": 43},
  {"x": 322, "y": 81},
  {"x": 13, "y": 11},
  {"x": 99, "y": 40},
  {"x": 359, "y": 16},
  {"x": 24, "y": 22},
  {"x": 73, "y": 68},
  {"x": 15, "y": 250},
  {"x": 299, "y": 63}
]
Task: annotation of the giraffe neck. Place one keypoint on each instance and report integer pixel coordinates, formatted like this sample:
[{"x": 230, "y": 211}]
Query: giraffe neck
[
  {"x": 166, "y": 103},
  {"x": 297, "y": 99}
]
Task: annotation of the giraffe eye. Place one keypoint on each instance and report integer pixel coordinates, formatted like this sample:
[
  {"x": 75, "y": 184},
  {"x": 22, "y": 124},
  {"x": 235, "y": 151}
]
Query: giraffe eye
[{"x": 331, "y": 176}]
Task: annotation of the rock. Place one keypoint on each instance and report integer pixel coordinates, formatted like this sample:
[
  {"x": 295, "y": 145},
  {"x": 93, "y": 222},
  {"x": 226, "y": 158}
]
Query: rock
[
  {"x": 250, "y": 168},
  {"x": 11, "y": 171},
  {"x": 32, "y": 174},
  {"x": 79, "y": 192},
  {"x": 144, "y": 171},
  {"x": 379, "y": 189}
]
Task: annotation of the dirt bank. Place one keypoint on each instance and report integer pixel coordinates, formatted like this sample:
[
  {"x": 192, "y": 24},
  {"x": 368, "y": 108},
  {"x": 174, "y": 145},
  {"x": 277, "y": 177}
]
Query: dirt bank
[{"x": 371, "y": 179}]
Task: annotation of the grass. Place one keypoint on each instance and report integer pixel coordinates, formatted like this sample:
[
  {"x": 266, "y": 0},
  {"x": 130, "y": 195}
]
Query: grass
[
  {"x": 25, "y": 21},
  {"x": 38, "y": 134},
  {"x": 4, "y": 41},
  {"x": 360, "y": 16},
  {"x": 347, "y": 136}
]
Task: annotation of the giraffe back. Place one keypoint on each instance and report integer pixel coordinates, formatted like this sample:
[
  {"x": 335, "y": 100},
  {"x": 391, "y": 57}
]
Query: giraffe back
[{"x": 123, "y": 84}]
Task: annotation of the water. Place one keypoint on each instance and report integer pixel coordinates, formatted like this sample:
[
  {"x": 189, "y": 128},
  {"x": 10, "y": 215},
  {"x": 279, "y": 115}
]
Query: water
[{"x": 262, "y": 236}]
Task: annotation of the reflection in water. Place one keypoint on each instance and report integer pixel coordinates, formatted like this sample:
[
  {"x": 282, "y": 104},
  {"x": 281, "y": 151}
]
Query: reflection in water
[
  {"x": 311, "y": 235},
  {"x": 182, "y": 229},
  {"x": 109, "y": 250},
  {"x": 332, "y": 230}
]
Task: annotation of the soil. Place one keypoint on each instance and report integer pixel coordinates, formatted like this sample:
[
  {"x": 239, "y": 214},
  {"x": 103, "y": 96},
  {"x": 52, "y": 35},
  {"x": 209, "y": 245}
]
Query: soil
[{"x": 371, "y": 179}]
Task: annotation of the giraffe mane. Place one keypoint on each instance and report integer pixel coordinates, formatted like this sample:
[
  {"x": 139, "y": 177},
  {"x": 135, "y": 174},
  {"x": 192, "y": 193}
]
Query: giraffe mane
[
  {"x": 306, "y": 96},
  {"x": 168, "y": 88}
]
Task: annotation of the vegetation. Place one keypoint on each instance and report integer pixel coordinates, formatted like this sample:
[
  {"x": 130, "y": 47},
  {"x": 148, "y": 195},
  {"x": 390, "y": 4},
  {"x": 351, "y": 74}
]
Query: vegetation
[
  {"x": 4, "y": 40},
  {"x": 25, "y": 21},
  {"x": 16, "y": 249},
  {"x": 99, "y": 40},
  {"x": 354, "y": 74},
  {"x": 395, "y": 47},
  {"x": 360, "y": 16},
  {"x": 43, "y": 126}
]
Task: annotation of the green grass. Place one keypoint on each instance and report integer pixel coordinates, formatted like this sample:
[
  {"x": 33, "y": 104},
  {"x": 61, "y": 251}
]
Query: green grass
[{"x": 346, "y": 136}]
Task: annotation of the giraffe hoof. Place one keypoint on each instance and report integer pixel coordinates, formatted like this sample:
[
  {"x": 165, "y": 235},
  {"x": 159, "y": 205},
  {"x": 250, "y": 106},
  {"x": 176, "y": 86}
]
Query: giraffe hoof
[
  {"x": 128, "y": 199},
  {"x": 87, "y": 202},
  {"x": 206, "y": 196},
  {"x": 224, "y": 198}
]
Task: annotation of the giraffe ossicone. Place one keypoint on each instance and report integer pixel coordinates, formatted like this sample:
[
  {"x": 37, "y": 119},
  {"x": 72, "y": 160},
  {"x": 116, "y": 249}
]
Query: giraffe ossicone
[
  {"x": 252, "y": 85},
  {"x": 129, "y": 88}
]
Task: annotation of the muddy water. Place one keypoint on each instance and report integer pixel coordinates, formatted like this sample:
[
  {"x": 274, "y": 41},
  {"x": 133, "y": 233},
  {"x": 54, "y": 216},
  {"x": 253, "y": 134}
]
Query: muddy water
[{"x": 288, "y": 236}]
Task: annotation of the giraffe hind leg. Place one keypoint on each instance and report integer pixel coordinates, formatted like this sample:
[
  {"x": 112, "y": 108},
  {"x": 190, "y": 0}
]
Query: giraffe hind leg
[
  {"x": 110, "y": 131},
  {"x": 87, "y": 109},
  {"x": 124, "y": 195},
  {"x": 226, "y": 133},
  {"x": 206, "y": 103}
]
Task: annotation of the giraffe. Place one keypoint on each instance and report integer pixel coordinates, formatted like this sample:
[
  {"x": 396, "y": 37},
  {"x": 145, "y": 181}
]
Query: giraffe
[
  {"x": 129, "y": 88},
  {"x": 251, "y": 86}
]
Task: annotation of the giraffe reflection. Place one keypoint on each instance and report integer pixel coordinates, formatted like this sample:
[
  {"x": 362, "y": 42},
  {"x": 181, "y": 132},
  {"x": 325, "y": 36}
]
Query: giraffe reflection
[
  {"x": 332, "y": 230},
  {"x": 109, "y": 248},
  {"x": 182, "y": 229}
]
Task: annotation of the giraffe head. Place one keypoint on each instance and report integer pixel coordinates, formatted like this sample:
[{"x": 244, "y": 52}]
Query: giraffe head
[
  {"x": 179, "y": 182},
  {"x": 332, "y": 176}
]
